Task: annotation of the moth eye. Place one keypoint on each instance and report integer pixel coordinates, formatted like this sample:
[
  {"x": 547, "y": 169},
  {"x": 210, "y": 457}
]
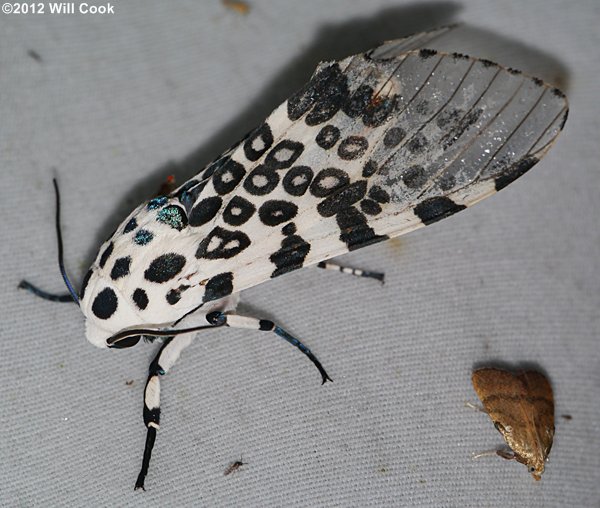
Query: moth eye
[{"x": 532, "y": 469}]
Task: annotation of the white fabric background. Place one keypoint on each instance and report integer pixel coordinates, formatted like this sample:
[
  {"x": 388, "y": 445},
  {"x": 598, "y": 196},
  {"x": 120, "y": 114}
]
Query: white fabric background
[{"x": 117, "y": 103}]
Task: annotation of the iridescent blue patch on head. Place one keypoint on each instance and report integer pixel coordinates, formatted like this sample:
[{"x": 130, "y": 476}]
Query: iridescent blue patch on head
[
  {"x": 173, "y": 216},
  {"x": 157, "y": 202},
  {"x": 143, "y": 237}
]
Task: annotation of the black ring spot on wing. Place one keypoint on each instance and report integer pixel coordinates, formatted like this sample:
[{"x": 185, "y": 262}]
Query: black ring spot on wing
[
  {"x": 222, "y": 244},
  {"x": 165, "y": 267},
  {"x": 284, "y": 154},
  {"x": 297, "y": 180},
  {"x": 352, "y": 147},
  {"x": 327, "y": 181},
  {"x": 261, "y": 181},
  {"x": 276, "y": 211},
  {"x": 227, "y": 178},
  {"x": 238, "y": 211},
  {"x": 258, "y": 142},
  {"x": 105, "y": 304},
  {"x": 205, "y": 211},
  {"x": 327, "y": 137}
]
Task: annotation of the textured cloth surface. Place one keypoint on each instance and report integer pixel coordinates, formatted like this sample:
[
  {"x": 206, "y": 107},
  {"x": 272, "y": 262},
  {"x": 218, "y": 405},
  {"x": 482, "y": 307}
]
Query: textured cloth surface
[{"x": 116, "y": 103}]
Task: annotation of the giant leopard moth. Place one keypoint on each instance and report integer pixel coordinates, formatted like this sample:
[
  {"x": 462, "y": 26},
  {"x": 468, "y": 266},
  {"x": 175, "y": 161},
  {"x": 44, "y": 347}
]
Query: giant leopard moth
[{"x": 372, "y": 147}]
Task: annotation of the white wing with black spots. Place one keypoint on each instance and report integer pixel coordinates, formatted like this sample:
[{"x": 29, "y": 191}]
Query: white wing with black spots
[{"x": 374, "y": 146}]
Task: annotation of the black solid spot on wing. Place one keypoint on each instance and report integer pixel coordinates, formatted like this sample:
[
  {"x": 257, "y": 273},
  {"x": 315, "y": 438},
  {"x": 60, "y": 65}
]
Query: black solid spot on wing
[
  {"x": 85, "y": 282},
  {"x": 327, "y": 181},
  {"x": 353, "y": 147},
  {"x": 261, "y": 181},
  {"x": 227, "y": 177},
  {"x": 370, "y": 207},
  {"x": 157, "y": 202},
  {"x": 289, "y": 229},
  {"x": 460, "y": 127},
  {"x": 434, "y": 209},
  {"x": 258, "y": 142},
  {"x": 422, "y": 107},
  {"x": 238, "y": 211},
  {"x": 418, "y": 143},
  {"x": 342, "y": 199},
  {"x": 105, "y": 304},
  {"x": 369, "y": 169},
  {"x": 284, "y": 154},
  {"x": 303, "y": 100},
  {"x": 447, "y": 182},
  {"x": 329, "y": 99},
  {"x": 140, "y": 298},
  {"x": 488, "y": 63},
  {"x": 393, "y": 137},
  {"x": 173, "y": 296},
  {"x": 355, "y": 232},
  {"x": 290, "y": 256},
  {"x": 130, "y": 226},
  {"x": 414, "y": 177},
  {"x": 297, "y": 180},
  {"x": 327, "y": 137},
  {"x": 143, "y": 237},
  {"x": 357, "y": 103},
  {"x": 165, "y": 267},
  {"x": 426, "y": 53},
  {"x": 515, "y": 171},
  {"x": 222, "y": 244},
  {"x": 172, "y": 216},
  {"x": 447, "y": 117},
  {"x": 219, "y": 286},
  {"x": 276, "y": 211},
  {"x": 190, "y": 195},
  {"x": 378, "y": 194},
  {"x": 120, "y": 268},
  {"x": 106, "y": 254},
  {"x": 379, "y": 110},
  {"x": 205, "y": 211}
]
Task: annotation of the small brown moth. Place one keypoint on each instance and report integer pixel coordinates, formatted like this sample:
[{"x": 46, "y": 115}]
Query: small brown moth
[{"x": 522, "y": 409}]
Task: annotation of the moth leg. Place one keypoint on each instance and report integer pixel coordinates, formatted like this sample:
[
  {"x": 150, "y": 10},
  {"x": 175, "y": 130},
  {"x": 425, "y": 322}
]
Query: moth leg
[
  {"x": 163, "y": 361},
  {"x": 475, "y": 407},
  {"x": 236, "y": 321},
  {"x": 357, "y": 272},
  {"x": 504, "y": 452}
]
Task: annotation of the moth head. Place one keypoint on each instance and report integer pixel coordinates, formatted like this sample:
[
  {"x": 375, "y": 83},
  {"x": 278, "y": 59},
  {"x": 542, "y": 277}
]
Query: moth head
[{"x": 536, "y": 468}]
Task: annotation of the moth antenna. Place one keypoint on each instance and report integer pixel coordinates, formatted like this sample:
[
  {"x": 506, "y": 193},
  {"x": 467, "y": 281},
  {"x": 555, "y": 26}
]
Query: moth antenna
[
  {"x": 71, "y": 296},
  {"x": 61, "y": 264}
]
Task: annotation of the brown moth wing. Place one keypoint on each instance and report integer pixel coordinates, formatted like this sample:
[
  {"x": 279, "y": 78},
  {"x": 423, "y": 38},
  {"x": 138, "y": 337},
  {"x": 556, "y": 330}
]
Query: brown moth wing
[
  {"x": 522, "y": 409},
  {"x": 541, "y": 400}
]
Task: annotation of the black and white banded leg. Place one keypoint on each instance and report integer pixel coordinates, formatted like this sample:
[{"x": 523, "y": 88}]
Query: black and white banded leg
[
  {"x": 357, "y": 272},
  {"x": 264, "y": 325},
  {"x": 163, "y": 361}
]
